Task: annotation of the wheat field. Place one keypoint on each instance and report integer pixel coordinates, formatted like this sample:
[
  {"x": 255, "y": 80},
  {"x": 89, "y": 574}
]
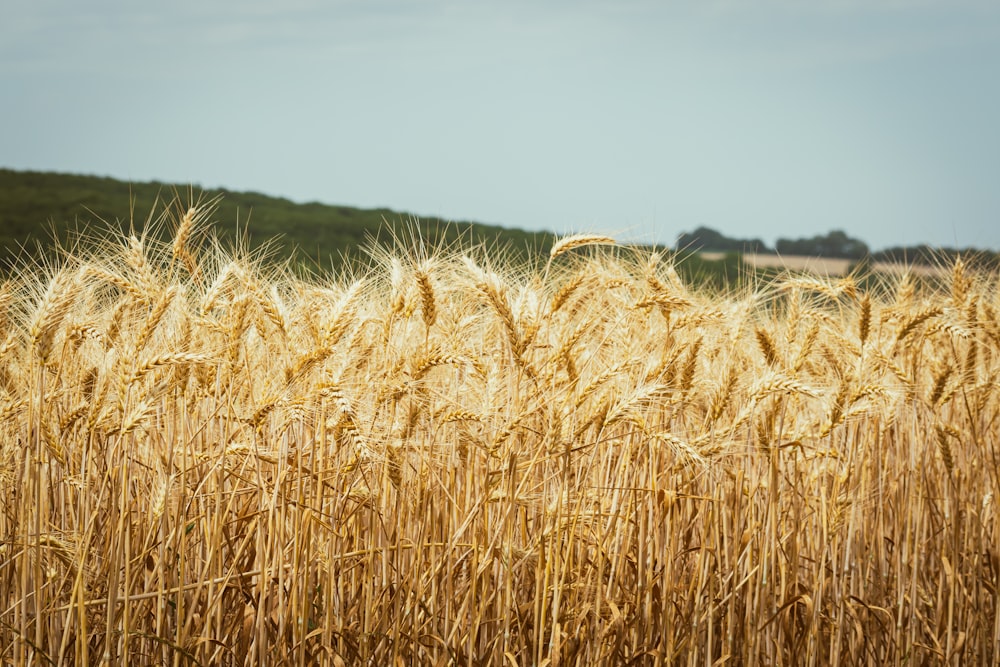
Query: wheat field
[{"x": 452, "y": 458}]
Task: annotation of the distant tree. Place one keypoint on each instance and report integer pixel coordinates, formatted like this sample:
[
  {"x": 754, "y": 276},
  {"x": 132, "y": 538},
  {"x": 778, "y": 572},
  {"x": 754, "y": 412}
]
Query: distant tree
[
  {"x": 836, "y": 244},
  {"x": 918, "y": 254},
  {"x": 702, "y": 238},
  {"x": 709, "y": 240},
  {"x": 926, "y": 255}
]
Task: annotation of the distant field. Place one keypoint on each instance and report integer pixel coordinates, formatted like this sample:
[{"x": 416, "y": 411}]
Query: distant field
[{"x": 822, "y": 265}]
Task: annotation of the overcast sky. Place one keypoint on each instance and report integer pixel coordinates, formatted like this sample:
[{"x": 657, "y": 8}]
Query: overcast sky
[{"x": 759, "y": 118}]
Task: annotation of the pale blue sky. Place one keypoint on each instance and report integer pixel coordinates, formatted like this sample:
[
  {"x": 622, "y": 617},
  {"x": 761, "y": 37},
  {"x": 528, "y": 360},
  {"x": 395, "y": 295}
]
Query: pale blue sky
[{"x": 759, "y": 118}]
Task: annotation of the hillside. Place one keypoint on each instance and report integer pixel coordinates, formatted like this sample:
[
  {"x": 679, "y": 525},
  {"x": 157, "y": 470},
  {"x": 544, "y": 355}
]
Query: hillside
[{"x": 35, "y": 206}]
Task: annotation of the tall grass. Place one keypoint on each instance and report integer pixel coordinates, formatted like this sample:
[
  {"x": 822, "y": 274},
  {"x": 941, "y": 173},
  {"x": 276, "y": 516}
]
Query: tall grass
[{"x": 449, "y": 459}]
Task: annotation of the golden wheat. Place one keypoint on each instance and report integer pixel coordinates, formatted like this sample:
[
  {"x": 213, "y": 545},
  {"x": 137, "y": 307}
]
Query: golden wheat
[
  {"x": 568, "y": 243},
  {"x": 448, "y": 460}
]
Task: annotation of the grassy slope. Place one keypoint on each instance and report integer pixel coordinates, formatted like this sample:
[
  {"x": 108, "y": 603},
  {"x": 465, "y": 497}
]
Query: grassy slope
[{"x": 34, "y": 204}]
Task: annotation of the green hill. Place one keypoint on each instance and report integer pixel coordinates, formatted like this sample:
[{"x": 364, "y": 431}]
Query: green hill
[{"x": 35, "y": 206}]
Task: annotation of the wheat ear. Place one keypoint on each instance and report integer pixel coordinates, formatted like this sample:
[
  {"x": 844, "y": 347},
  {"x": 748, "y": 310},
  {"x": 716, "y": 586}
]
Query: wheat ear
[
  {"x": 578, "y": 241},
  {"x": 52, "y": 310},
  {"x": 865, "y": 321},
  {"x": 564, "y": 245},
  {"x": 428, "y": 307}
]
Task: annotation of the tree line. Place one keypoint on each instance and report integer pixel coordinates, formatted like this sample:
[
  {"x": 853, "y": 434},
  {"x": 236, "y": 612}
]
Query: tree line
[{"x": 835, "y": 244}]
